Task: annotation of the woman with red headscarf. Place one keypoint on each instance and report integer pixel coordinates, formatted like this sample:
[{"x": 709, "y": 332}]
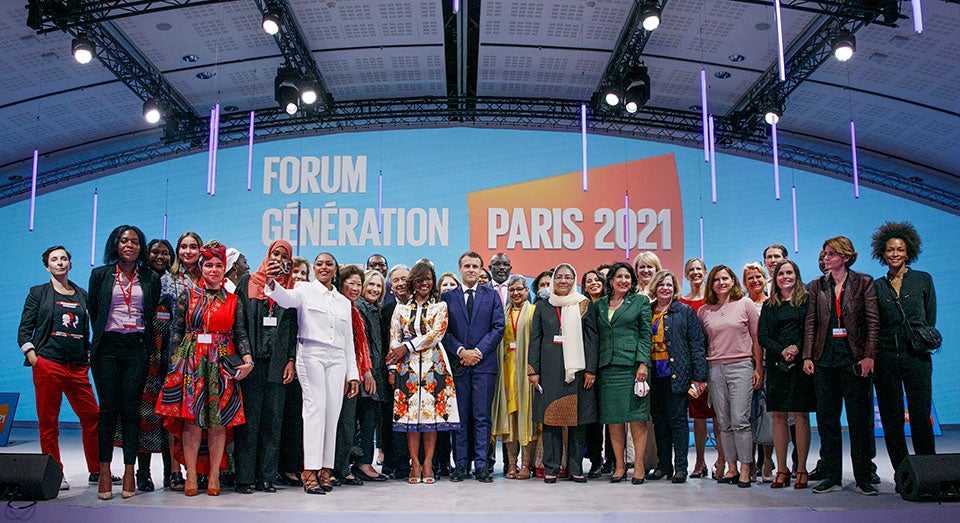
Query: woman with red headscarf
[
  {"x": 199, "y": 392},
  {"x": 272, "y": 331}
]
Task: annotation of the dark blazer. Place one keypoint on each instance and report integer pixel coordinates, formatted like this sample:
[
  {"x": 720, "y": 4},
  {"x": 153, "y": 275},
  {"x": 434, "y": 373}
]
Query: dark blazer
[
  {"x": 36, "y": 320},
  {"x": 625, "y": 338},
  {"x": 101, "y": 290},
  {"x": 918, "y": 299},
  {"x": 483, "y": 331},
  {"x": 683, "y": 335},
  {"x": 858, "y": 311},
  {"x": 283, "y": 346}
]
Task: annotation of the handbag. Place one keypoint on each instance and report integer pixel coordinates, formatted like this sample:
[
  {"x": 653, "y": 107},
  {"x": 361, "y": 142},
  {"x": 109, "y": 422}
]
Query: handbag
[
  {"x": 231, "y": 363},
  {"x": 761, "y": 421},
  {"x": 924, "y": 339}
]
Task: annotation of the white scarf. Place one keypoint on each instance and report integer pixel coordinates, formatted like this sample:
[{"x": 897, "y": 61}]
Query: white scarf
[{"x": 571, "y": 328}]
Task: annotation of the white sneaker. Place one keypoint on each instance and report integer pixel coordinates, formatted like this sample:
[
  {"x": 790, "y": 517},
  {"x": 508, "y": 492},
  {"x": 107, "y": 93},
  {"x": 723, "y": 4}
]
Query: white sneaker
[{"x": 63, "y": 483}]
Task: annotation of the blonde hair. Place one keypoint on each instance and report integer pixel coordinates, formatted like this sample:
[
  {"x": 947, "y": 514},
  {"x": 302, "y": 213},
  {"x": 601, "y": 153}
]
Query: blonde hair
[
  {"x": 659, "y": 277},
  {"x": 753, "y": 266},
  {"x": 369, "y": 275}
]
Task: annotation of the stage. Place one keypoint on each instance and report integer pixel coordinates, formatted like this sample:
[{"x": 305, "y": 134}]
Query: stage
[{"x": 470, "y": 501}]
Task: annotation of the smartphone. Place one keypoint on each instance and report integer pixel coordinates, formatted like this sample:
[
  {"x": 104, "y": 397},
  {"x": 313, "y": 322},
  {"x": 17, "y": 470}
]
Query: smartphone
[{"x": 285, "y": 267}]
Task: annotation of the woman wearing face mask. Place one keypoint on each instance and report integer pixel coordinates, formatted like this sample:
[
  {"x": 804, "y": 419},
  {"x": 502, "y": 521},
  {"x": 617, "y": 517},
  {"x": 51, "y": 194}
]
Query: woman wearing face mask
[
  {"x": 369, "y": 404},
  {"x": 54, "y": 336},
  {"x": 272, "y": 332},
  {"x": 562, "y": 368},
  {"x": 122, "y": 303},
  {"x": 736, "y": 367},
  {"x": 200, "y": 392},
  {"x": 351, "y": 284},
  {"x": 513, "y": 399},
  {"x": 326, "y": 365}
]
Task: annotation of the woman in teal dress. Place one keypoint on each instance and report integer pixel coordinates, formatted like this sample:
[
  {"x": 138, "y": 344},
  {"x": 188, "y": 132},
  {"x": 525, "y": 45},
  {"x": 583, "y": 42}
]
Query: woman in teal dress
[{"x": 624, "y": 326}]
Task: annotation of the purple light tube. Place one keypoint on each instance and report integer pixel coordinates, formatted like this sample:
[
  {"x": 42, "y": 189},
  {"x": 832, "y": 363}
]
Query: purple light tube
[
  {"x": 210, "y": 152},
  {"x": 713, "y": 161},
  {"x": 780, "y": 64},
  {"x": 856, "y": 172},
  {"x": 164, "y": 226},
  {"x": 380, "y": 203},
  {"x": 298, "y": 229},
  {"x": 703, "y": 113},
  {"x": 583, "y": 141},
  {"x": 456, "y": 6},
  {"x": 93, "y": 231},
  {"x": 33, "y": 187},
  {"x": 216, "y": 148},
  {"x": 917, "y": 16},
  {"x": 250, "y": 152},
  {"x": 776, "y": 162},
  {"x": 796, "y": 239},
  {"x": 701, "y": 237},
  {"x": 626, "y": 225}
]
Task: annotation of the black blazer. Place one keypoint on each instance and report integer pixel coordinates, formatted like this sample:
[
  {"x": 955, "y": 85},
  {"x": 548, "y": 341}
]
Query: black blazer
[
  {"x": 100, "y": 292},
  {"x": 36, "y": 319}
]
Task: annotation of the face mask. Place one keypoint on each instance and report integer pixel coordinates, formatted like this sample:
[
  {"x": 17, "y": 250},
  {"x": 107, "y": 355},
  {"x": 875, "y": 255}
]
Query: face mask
[{"x": 543, "y": 293}]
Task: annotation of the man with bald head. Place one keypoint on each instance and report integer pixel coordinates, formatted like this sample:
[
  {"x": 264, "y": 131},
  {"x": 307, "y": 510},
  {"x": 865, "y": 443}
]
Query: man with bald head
[{"x": 500, "y": 272}]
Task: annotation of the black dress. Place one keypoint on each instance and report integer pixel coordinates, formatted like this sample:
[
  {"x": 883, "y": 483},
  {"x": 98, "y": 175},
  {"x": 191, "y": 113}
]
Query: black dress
[{"x": 788, "y": 388}]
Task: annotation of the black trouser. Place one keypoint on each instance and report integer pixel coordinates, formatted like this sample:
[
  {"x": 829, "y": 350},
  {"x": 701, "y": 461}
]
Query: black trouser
[
  {"x": 291, "y": 430},
  {"x": 119, "y": 371},
  {"x": 670, "y": 428},
  {"x": 346, "y": 429},
  {"x": 257, "y": 446},
  {"x": 368, "y": 416},
  {"x": 896, "y": 373},
  {"x": 594, "y": 443},
  {"x": 443, "y": 450},
  {"x": 553, "y": 449},
  {"x": 836, "y": 386},
  {"x": 396, "y": 455}
]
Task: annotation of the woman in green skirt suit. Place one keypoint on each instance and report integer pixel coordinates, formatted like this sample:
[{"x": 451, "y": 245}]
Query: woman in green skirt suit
[{"x": 624, "y": 325}]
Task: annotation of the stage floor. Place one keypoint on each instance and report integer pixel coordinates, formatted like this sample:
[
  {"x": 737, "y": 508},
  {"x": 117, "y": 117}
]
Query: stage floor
[{"x": 470, "y": 501}]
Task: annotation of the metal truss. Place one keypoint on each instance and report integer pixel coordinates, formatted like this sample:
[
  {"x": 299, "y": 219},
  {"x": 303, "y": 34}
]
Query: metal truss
[
  {"x": 627, "y": 54},
  {"x": 652, "y": 123},
  {"x": 802, "y": 59},
  {"x": 866, "y": 10},
  {"x": 296, "y": 53},
  {"x": 45, "y": 16}
]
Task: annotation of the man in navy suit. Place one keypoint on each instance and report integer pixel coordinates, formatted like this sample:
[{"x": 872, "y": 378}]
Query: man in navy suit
[{"x": 474, "y": 328}]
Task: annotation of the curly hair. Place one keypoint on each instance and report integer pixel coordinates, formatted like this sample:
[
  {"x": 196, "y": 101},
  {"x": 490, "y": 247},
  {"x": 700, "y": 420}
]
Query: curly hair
[{"x": 896, "y": 230}]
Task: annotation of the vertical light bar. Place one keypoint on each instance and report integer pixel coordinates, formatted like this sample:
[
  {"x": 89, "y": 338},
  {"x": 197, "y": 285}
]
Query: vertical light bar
[
  {"x": 701, "y": 238},
  {"x": 776, "y": 11},
  {"x": 796, "y": 239},
  {"x": 776, "y": 161},
  {"x": 93, "y": 231},
  {"x": 456, "y": 6},
  {"x": 917, "y": 16},
  {"x": 703, "y": 113},
  {"x": 298, "y": 229},
  {"x": 210, "y": 152},
  {"x": 713, "y": 161},
  {"x": 853, "y": 149},
  {"x": 583, "y": 141},
  {"x": 33, "y": 187},
  {"x": 250, "y": 152},
  {"x": 164, "y": 236},
  {"x": 380, "y": 203},
  {"x": 216, "y": 148},
  {"x": 626, "y": 225}
]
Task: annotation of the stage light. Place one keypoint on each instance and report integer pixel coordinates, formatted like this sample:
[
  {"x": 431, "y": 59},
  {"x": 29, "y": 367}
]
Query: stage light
[
  {"x": 650, "y": 17},
  {"x": 612, "y": 98},
  {"x": 271, "y": 22},
  {"x": 308, "y": 92},
  {"x": 638, "y": 91},
  {"x": 844, "y": 46},
  {"x": 287, "y": 90},
  {"x": 151, "y": 111},
  {"x": 83, "y": 49},
  {"x": 772, "y": 114}
]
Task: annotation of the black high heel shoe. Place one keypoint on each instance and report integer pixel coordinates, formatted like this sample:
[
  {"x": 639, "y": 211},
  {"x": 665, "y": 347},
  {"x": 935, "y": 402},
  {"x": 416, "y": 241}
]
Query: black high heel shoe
[
  {"x": 176, "y": 482},
  {"x": 311, "y": 484}
]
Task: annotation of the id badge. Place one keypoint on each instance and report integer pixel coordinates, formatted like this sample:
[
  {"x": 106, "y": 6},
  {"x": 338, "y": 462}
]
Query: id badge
[
  {"x": 163, "y": 316},
  {"x": 558, "y": 339},
  {"x": 270, "y": 321},
  {"x": 513, "y": 345},
  {"x": 205, "y": 338},
  {"x": 839, "y": 333}
]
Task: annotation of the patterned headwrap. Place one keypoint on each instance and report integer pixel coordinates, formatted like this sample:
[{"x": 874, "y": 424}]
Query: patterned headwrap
[{"x": 213, "y": 249}]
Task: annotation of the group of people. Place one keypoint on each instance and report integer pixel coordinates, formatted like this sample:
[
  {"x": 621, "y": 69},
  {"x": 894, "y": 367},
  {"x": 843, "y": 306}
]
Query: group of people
[{"x": 308, "y": 377}]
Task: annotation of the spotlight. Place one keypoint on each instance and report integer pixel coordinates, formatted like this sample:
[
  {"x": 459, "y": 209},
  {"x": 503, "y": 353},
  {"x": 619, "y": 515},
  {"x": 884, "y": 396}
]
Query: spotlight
[
  {"x": 308, "y": 92},
  {"x": 271, "y": 22},
  {"x": 286, "y": 90},
  {"x": 772, "y": 114},
  {"x": 844, "y": 45},
  {"x": 638, "y": 90},
  {"x": 612, "y": 97},
  {"x": 83, "y": 49},
  {"x": 650, "y": 17},
  {"x": 151, "y": 111}
]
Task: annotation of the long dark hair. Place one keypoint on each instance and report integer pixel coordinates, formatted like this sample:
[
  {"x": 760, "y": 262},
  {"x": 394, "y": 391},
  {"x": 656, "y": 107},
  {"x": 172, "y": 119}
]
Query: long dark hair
[
  {"x": 613, "y": 271},
  {"x": 110, "y": 254}
]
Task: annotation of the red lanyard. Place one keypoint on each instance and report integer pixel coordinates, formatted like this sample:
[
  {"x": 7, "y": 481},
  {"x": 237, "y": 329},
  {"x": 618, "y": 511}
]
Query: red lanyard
[
  {"x": 838, "y": 305},
  {"x": 515, "y": 320},
  {"x": 128, "y": 292},
  {"x": 560, "y": 320}
]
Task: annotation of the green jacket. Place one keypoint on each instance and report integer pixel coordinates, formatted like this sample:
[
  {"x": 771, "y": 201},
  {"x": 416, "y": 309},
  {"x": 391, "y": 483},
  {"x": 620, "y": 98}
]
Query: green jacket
[{"x": 625, "y": 338}]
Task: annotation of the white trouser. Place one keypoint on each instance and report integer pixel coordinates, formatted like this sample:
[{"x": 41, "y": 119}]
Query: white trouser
[{"x": 322, "y": 371}]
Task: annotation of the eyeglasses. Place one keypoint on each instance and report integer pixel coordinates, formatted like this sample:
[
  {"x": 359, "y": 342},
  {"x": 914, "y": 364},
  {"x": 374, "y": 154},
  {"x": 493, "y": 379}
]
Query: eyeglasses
[
  {"x": 519, "y": 289},
  {"x": 563, "y": 278}
]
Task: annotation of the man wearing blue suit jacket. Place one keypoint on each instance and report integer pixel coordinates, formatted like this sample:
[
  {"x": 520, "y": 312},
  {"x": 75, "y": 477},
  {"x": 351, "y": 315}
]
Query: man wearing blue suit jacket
[{"x": 474, "y": 328}]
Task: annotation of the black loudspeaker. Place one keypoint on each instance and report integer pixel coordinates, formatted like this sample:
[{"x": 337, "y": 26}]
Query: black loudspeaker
[
  {"x": 29, "y": 477},
  {"x": 929, "y": 478}
]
